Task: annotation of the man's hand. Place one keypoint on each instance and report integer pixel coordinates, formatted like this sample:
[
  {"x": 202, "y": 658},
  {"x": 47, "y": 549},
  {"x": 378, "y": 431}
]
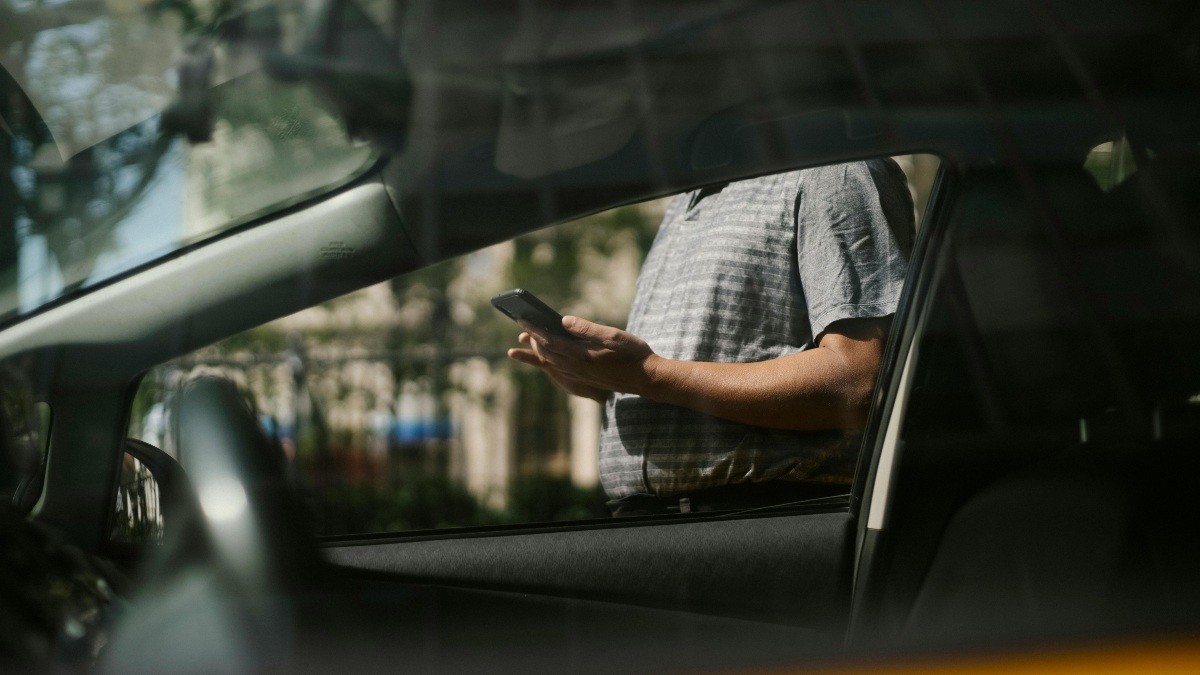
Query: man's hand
[{"x": 603, "y": 360}]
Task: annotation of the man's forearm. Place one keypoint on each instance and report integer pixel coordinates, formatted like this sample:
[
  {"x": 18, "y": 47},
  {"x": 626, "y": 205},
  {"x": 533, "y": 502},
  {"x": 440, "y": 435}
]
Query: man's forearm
[
  {"x": 828, "y": 387},
  {"x": 815, "y": 389}
]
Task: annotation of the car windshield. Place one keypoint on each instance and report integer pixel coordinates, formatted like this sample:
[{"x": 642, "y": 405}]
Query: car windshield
[{"x": 130, "y": 130}]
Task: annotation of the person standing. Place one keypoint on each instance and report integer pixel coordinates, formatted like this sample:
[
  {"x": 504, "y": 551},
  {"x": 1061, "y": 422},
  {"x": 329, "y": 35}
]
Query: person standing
[{"x": 754, "y": 341}]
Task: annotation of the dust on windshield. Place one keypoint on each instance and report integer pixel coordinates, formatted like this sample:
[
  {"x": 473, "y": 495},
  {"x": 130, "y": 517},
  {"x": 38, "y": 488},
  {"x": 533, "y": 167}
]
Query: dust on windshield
[{"x": 129, "y": 130}]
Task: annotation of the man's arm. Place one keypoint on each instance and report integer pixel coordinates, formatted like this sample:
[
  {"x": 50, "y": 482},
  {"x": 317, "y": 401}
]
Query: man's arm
[{"x": 828, "y": 387}]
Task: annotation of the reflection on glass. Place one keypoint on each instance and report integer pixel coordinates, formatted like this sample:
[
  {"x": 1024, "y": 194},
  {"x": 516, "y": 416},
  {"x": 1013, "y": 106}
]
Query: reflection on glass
[
  {"x": 130, "y": 130},
  {"x": 1110, "y": 163},
  {"x": 139, "y": 517},
  {"x": 25, "y": 425}
]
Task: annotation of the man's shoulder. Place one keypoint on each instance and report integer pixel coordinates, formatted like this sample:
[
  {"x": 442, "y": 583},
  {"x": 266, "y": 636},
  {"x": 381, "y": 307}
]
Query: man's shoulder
[
  {"x": 796, "y": 178},
  {"x": 863, "y": 168}
]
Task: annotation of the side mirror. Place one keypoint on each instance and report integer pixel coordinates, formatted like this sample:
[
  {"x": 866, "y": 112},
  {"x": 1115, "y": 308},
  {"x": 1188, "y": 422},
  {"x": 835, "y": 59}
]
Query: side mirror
[{"x": 153, "y": 495}]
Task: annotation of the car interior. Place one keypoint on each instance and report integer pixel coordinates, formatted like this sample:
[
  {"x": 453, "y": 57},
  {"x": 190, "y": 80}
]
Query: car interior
[
  {"x": 1024, "y": 476},
  {"x": 1036, "y": 444}
]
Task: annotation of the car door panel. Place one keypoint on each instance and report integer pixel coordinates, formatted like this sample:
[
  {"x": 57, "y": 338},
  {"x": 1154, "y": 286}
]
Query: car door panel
[{"x": 783, "y": 568}]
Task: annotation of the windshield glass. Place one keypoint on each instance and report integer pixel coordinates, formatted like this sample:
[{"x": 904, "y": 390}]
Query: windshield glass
[{"x": 129, "y": 130}]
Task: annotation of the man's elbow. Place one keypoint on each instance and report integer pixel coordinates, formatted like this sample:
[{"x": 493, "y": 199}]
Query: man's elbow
[
  {"x": 857, "y": 389},
  {"x": 858, "y": 345},
  {"x": 857, "y": 400}
]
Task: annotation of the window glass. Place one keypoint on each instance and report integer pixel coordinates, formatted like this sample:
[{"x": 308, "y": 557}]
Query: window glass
[
  {"x": 397, "y": 407},
  {"x": 128, "y": 131},
  {"x": 1025, "y": 347},
  {"x": 26, "y": 434}
]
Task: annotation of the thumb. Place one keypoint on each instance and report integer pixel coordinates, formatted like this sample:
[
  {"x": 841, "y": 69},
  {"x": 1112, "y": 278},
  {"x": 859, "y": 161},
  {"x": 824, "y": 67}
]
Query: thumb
[
  {"x": 578, "y": 326},
  {"x": 591, "y": 331}
]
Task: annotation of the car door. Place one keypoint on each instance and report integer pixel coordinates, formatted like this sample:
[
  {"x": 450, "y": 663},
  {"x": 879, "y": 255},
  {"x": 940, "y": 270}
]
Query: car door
[{"x": 756, "y": 582}]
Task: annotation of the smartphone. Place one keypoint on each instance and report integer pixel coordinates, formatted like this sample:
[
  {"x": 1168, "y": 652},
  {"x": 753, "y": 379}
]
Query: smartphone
[{"x": 521, "y": 305}]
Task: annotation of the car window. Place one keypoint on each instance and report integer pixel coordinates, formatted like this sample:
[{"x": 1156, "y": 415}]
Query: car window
[
  {"x": 112, "y": 157},
  {"x": 398, "y": 408},
  {"x": 25, "y": 429}
]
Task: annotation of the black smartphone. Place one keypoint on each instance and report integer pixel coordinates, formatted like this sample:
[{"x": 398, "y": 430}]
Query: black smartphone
[{"x": 521, "y": 305}]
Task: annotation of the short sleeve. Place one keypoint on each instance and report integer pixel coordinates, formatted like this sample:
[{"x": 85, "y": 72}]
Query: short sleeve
[{"x": 854, "y": 232}]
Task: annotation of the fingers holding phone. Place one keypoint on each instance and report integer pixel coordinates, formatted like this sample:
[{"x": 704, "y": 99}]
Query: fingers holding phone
[
  {"x": 586, "y": 357},
  {"x": 545, "y": 335},
  {"x": 537, "y": 357}
]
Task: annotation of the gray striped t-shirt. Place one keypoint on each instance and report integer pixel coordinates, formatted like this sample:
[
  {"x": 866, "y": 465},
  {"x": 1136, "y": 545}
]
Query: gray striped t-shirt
[{"x": 755, "y": 271}]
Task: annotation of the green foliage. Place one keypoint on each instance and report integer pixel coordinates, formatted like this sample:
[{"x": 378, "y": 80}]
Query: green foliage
[
  {"x": 542, "y": 417},
  {"x": 419, "y": 502},
  {"x": 261, "y": 340},
  {"x": 540, "y": 498},
  {"x": 425, "y": 501},
  {"x": 149, "y": 392},
  {"x": 273, "y": 142},
  {"x": 547, "y": 262}
]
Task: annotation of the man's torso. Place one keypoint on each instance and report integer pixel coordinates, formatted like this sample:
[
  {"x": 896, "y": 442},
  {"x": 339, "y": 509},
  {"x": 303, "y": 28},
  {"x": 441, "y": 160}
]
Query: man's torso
[{"x": 723, "y": 282}]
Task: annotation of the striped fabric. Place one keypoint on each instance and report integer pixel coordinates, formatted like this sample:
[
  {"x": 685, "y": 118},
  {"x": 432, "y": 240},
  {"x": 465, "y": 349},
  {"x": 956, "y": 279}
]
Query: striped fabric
[{"x": 755, "y": 270}]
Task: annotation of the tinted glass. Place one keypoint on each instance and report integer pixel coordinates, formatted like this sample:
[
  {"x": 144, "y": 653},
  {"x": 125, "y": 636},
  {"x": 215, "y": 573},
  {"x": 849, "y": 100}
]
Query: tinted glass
[
  {"x": 25, "y": 425},
  {"x": 128, "y": 131}
]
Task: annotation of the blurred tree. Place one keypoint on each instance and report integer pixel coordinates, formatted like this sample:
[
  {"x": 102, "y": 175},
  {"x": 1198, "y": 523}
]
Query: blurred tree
[{"x": 539, "y": 498}]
